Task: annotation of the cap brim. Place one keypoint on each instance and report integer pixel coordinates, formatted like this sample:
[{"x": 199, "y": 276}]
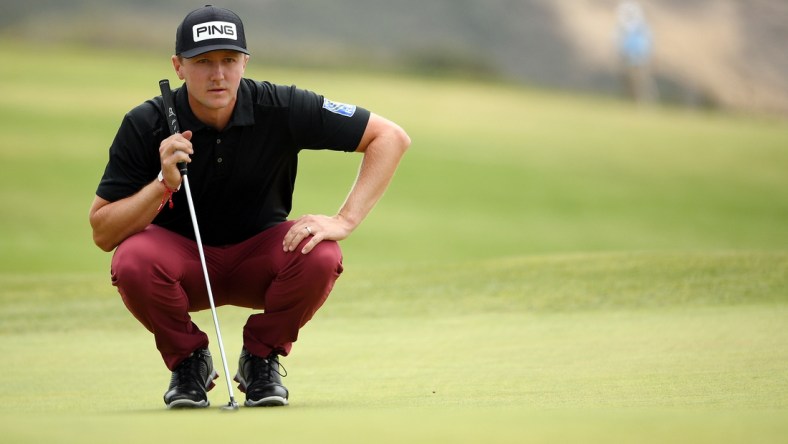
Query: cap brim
[{"x": 203, "y": 49}]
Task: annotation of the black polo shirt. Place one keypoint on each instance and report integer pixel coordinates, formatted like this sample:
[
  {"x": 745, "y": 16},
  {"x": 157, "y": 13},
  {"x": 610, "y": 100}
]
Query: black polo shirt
[{"x": 242, "y": 178}]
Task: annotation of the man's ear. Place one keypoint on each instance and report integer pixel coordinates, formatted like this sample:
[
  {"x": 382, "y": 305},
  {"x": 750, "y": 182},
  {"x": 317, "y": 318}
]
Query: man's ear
[{"x": 177, "y": 64}]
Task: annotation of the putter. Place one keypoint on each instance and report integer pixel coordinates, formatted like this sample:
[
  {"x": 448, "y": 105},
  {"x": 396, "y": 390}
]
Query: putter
[{"x": 172, "y": 123}]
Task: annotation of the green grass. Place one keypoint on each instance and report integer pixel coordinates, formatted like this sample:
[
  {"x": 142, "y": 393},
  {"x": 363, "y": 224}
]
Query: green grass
[
  {"x": 513, "y": 355},
  {"x": 545, "y": 267}
]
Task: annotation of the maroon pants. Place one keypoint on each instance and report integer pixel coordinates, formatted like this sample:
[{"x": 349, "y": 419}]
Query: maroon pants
[{"x": 159, "y": 276}]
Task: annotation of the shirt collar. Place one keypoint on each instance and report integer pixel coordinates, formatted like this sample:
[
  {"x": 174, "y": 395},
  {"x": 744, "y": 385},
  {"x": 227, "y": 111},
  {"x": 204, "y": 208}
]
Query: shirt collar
[{"x": 243, "y": 114}]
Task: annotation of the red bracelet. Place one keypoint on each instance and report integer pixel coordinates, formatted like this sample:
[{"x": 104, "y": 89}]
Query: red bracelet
[{"x": 167, "y": 195}]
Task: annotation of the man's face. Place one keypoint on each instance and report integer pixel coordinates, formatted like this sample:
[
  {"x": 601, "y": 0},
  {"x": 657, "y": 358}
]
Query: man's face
[{"x": 212, "y": 78}]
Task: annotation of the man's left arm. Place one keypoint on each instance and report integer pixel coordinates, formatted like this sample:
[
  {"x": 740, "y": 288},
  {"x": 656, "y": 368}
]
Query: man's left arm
[{"x": 383, "y": 145}]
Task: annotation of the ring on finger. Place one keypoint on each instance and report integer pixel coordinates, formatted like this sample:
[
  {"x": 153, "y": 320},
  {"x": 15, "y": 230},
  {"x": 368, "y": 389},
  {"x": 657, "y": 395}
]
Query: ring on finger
[{"x": 308, "y": 230}]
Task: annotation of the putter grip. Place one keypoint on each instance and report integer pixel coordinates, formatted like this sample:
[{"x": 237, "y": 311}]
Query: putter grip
[{"x": 169, "y": 114}]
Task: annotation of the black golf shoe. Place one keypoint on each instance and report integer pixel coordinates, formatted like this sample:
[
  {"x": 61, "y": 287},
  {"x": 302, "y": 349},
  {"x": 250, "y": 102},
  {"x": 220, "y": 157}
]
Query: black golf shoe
[
  {"x": 190, "y": 382},
  {"x": 261, "y": 380}
]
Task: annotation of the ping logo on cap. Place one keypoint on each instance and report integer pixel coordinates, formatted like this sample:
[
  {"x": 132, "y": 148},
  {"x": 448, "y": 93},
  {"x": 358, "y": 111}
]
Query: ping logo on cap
[{"x": 214, "y": 30}]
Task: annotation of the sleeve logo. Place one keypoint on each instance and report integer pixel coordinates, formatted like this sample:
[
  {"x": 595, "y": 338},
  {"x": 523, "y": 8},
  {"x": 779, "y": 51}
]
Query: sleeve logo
[{"x": 343, "y": 109}]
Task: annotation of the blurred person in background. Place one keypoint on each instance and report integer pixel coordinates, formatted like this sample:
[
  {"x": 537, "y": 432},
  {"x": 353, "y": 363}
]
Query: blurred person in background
[{"x": 634, "y": 49}]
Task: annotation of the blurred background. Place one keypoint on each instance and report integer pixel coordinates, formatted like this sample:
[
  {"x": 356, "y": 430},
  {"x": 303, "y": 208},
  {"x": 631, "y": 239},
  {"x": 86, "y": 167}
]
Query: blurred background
[
  {"x": 539, "y": 126},
  {"x": 699, "y": 53}
]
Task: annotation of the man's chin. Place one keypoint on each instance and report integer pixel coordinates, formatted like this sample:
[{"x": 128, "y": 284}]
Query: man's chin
[{"x": 218, "y": 101}]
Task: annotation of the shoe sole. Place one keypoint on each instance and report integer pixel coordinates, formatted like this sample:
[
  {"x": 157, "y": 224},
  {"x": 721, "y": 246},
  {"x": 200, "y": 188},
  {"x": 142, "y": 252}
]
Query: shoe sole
[
  {"x": 183, "y": 404},
  {"x": 270, "y": 401}
]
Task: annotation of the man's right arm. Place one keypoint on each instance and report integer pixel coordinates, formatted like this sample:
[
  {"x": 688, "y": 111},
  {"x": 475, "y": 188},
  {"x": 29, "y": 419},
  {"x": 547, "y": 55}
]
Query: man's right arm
[{"x": 113, "y": 222}]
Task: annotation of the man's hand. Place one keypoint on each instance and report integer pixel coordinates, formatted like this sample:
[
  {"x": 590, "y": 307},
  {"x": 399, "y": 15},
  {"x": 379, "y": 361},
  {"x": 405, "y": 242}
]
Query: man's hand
[
  {"x": 319, "y": 228},
  {"x": 174, "y": 149}
]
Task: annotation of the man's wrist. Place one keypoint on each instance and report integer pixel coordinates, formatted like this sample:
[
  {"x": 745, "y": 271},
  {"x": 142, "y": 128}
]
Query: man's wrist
[
  {"x": 164, "y": 182},
  {"x": 349, "y": 223}
]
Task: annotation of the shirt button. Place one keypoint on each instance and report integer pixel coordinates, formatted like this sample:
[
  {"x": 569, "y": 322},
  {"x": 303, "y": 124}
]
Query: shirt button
[
  {"x": 218, "y": 141},
  {"x": 219, "y": 160}
]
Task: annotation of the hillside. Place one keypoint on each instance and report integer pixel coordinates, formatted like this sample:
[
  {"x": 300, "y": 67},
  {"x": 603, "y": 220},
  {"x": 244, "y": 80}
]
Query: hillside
[{"x": 707, "y": 52}]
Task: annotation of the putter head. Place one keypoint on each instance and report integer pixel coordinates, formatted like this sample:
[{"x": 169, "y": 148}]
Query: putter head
[{"x": 231, "y": 406}]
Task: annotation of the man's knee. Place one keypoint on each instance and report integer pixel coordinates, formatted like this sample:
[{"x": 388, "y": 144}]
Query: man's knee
[
  {"x": 133, "y": 259},
  {"x": 324, "y": 260},
  {"x": 145, "y": 258}
]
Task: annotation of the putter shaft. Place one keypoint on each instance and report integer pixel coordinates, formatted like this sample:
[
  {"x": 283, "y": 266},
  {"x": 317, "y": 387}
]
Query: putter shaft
[{"x": 197, "y": 237}]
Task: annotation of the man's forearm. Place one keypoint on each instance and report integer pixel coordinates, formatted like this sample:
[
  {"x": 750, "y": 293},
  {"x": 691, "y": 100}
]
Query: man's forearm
[
  {"x": 377, "y": 169},
  {"x": 113, "y": 222}
]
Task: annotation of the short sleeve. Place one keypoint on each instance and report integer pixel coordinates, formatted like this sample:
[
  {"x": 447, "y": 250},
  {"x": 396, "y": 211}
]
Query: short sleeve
[
  {"x": 319, "y": 123},
  {"x": 133, "y": 156}
]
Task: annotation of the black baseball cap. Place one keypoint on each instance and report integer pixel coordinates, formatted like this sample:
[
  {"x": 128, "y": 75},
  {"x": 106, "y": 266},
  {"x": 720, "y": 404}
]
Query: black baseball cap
[{"x": 207, "y": 29}]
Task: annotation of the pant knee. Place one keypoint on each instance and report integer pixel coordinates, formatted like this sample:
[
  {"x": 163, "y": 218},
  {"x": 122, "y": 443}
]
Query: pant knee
[
  {"x": 324, "y": 260},
  {"x": 130, "y": 263}
]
